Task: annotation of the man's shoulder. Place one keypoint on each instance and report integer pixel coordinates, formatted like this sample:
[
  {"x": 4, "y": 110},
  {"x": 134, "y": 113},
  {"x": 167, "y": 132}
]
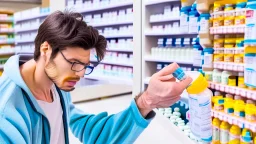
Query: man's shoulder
[{"x": 10, "y": 93}]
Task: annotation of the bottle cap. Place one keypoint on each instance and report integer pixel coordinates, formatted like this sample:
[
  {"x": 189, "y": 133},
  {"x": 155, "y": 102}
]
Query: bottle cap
[{"x": 179, "y": 74}]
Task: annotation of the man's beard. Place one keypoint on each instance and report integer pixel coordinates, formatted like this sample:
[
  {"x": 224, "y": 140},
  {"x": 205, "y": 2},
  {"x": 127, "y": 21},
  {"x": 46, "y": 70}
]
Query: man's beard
[{"x": 53, "y": 74}]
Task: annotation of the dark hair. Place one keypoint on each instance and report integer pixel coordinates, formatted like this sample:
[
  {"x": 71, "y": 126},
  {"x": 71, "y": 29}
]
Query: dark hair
[{"x": 67, "y": 29}]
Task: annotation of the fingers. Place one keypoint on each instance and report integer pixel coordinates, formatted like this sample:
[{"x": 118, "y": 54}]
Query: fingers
[
  {"x": 167, "y": 78},
  {"x": 182, "y": 85},
  {"x": 168, "y": 70}
]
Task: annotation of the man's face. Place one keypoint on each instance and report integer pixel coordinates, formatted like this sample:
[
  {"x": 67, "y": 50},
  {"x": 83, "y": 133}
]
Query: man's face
[{"x": 59, "y": 69}]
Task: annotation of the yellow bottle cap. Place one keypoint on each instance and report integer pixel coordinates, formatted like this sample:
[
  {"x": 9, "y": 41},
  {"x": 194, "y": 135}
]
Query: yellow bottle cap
[
  {"x": 250, "y": 49},
  {"x": 250, "y": 109},
  {"x": 224, "y": 125},
  {"x": 235, "y": 130},
  {"x": 198, "y": 85},
  {"x": 216, "y": 122}
]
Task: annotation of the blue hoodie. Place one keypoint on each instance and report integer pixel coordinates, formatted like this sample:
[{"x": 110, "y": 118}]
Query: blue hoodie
[{"x": 22, "y": 121}]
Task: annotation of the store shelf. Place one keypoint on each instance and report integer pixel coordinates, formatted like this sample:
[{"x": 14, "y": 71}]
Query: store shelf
[
  {"x": 32, "y": 17},
  {"x": 149, "y": 33},
  {"x": 110, "y": 78},
  {"x": 233, "y": 90},
  {"x": 6, "y": 53},
  {"x": 26, "y": 29},
  {"x": 6, "y": 21},
  {"x": 110, "y": 6},
  {"x": 242, "y": 123},
  {"x": 112, "y": 24},
  {"x": 25, "y": 41},
  {"x": 146, "y": 80},
  {"x": 167, "y": 60},
  {"x": 119, "y": 36},
  {"x": 153, "y": 2},
  {"x": 99, "y": 91},
  {"x": 228, "y": 50},
  {"x": 6, "y": 43},
  {"x": 6, "y": 31},
  {"x": 114, "y": 63},
  {"x": 173, "y": 129},
  {"x": 229, "y": 66},
  {"x": 227, "y": 29},
  {"x": 165, "y": 20},
  {"x": 120, "y": 50}
]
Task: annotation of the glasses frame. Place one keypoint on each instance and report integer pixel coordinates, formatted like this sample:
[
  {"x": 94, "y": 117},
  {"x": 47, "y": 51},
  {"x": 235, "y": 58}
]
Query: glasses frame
[{"x": 85, "y": 65}]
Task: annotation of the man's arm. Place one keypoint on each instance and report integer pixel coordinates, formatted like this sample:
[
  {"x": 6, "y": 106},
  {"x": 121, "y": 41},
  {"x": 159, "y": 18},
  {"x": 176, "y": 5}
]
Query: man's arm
[{"x": 123, "y": 127}]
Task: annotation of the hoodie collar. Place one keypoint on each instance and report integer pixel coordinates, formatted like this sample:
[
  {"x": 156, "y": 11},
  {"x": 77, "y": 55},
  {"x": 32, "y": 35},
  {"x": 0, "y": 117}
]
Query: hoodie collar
[{"x": 12, "y": 71}]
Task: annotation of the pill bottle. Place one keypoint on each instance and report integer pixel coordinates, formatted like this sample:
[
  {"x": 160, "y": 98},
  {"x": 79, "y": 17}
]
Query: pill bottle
[
  {"x": 240, "y": 13},
  {"x": 199, "y": 102},
  {"x": 241, "y": 80},
  {"x": 250, "y": 112},
  {"x": 250, "y": 29},
  {"x": 250, "y": 69},
  {"x": 229, "y": 107},
  {"x": 225, "y": 76},
  {"x": 216, "y": 131},
  {"x": 246, "y": 137},
  {"x": 232, "y": 80},
  {"x": 234, "y": 134},
  {"x": 224, "y": 132},
  {"x": 239, "y": 110},
  {"x": 229, "y": 42},
  {"x": 229, "y": 15},
  {"x": 208, "y": 75},
  {"x": 184, "y": 19},
  {"x": 216, "y": 76},
  {"x": 208, "y": 57},
  {"x": 218, "y": 41}
]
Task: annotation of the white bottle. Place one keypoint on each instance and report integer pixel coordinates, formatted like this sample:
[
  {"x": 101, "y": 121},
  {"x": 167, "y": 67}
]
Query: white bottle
[{"x": 199, "y": 103}]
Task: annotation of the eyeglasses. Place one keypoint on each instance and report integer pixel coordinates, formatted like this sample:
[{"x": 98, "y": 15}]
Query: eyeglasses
[{"x": 77, "y": 67}]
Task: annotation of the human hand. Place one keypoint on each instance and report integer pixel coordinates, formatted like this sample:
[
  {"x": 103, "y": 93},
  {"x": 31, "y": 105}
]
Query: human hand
[{"x": 163, "y": 90}]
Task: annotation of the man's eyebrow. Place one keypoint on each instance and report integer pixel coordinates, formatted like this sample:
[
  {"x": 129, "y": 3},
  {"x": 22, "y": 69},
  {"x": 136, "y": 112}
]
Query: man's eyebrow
[{"x": 73, "y": 59}]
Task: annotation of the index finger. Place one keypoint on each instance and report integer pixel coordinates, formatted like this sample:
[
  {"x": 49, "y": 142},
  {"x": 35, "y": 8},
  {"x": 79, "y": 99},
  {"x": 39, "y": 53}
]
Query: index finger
[
  {"x": 182, "y": 85},
  {"x": 168, "y": 69}
]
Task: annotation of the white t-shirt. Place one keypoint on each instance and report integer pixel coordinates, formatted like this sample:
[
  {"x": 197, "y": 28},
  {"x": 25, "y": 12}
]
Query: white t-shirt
[{"x": 54, "y": 112}]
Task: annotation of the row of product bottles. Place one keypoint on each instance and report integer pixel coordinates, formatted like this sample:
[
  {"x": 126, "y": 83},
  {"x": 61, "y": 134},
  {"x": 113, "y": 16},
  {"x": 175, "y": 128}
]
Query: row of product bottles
[
  {"x": 189, "y": 19},
  {"x": 4, "y": 17},
  {"x": 122, "y": 30},
  {"x": 6, "y": 27},
  {"x": 34, "y": 23},
  {"x": 111, "y": 70},
  {"x": 7, "y": 49},
  {"x": 116, "y": 57},
  {"x": 228, "y": 41},
  {"x": 226, "y": 78},
  {"x": 170, "y": 28},
  {"x": 6, "y": 38},
  {"x": 121, "y": 15},
  {"x": 169, "y": 12},
  {"x": 174, "y": 49},
  {"x": 229, "y": 14},
  {"x": 235, "y": 105},
  {"x": 160, "y": 66},
  {"x": 80, "y": 4},
  {"x": 26, "y": 36},
  {"x": 122, "y": 44},
  {"x": 175, "y": 117},
  {"x": 224, "y": 133},
  {"x": 31, "y": 12}
]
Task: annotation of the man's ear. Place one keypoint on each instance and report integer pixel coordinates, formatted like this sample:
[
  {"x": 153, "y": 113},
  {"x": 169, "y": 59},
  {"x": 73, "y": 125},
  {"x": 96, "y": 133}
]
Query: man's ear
[{"x": 45, "y": 49}]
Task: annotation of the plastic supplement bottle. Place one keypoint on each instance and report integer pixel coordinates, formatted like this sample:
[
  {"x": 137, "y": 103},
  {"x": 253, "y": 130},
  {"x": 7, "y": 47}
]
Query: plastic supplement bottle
[
  {"x": 216, "y": 131},
  {"x": 224, "y": 133},
  {"x": 199, "y": 103}
]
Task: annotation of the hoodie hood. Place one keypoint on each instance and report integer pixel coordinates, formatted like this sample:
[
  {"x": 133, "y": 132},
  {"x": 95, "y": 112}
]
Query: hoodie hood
[{"x": 12, "y": 71}]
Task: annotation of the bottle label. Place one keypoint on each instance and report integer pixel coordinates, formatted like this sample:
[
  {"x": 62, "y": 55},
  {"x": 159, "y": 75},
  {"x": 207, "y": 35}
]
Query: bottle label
[
  {"x": 215, "y": 133},
  {"x": 204, "y": 26},
  {"x": 193, "y": 24},
  {"x": 250, "y": 30},
  {"x": 200, "y": 117},
  {"x": 233, "y": 137},
  {"x": 208, "y": 59},
  {"x": 250, "y": 71},
  {"x": 224, "y": 136}
]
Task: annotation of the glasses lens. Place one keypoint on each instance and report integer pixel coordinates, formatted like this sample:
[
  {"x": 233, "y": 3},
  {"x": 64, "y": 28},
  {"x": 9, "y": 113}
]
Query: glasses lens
[
  {"x": 77, "y": 67},
  {"x": 88, "y": 70}
]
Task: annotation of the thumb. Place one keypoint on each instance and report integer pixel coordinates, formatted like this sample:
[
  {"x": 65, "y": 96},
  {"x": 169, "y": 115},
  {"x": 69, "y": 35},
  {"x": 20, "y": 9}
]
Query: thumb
[{"x": 185, "y": 83}]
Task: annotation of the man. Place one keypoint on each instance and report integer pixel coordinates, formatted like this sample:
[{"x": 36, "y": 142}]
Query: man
[{"x": 35, "y": 103}]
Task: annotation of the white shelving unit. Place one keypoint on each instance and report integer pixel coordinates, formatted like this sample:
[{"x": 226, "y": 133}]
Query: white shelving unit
[
  {"x": 32, "y": 17},
  {"x": 112, "y": 24},
  {"x": 114, "y": 63},
  {"x": 107, "y": 78},
  {"x": 165, "y": 60},
  {"x": 27, "y": 29},
  {"x": 154, "y": 2},
  {"x": 120, "y": 50},
  {"x": 165, "y": 20},
  {"x": 111, "y": 6}
]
